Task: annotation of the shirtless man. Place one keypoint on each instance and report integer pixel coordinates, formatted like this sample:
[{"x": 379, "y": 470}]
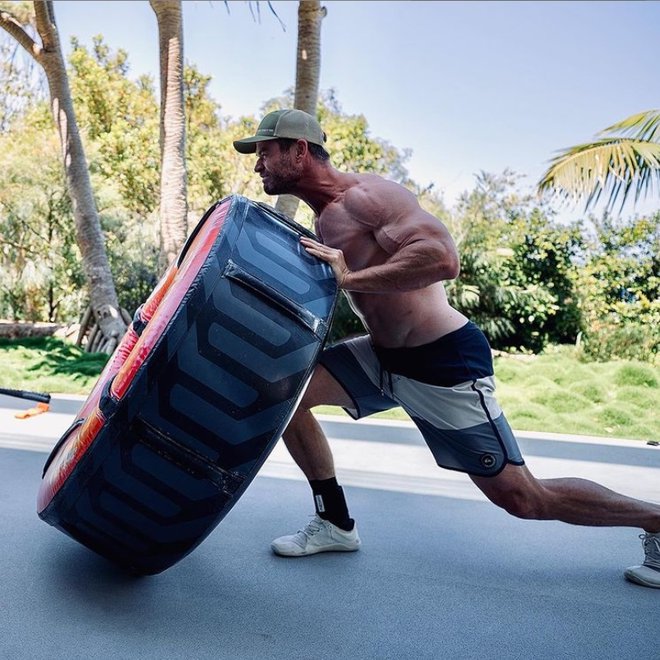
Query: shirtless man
[{"x": 390, "y": 257}]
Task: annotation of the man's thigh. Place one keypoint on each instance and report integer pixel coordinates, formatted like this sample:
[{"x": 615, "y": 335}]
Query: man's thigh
[
  {"x": 324, "y": 390},
  {"x": 355, "y": 368}
]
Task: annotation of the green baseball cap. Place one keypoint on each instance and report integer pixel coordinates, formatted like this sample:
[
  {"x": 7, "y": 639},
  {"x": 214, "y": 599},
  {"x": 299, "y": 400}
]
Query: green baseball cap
[{"x": 294, "y": 124}]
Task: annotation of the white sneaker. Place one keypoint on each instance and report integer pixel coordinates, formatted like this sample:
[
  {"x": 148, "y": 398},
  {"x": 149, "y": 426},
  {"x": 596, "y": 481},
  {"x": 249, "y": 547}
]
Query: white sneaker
[
  {"x": 319, "y": 536},
  {"x": 648, "y": 574}
]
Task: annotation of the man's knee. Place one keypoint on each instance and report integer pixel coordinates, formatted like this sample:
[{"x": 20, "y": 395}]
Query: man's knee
[
  {"x": 305, "y": 404},
  {"x": 521, "y": 504},
  {"x": 524, "y": 500}
]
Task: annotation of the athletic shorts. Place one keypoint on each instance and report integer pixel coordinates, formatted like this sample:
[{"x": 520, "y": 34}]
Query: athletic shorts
[{"x": 447, "y": 389}]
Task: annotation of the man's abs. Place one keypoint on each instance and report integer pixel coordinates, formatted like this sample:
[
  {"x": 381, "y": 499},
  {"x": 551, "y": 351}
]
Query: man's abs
[{"x": 410, "y": 318}]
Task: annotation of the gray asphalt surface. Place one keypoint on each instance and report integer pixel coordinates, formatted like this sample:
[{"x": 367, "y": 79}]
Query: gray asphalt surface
[{"x": 442, "y": 573}]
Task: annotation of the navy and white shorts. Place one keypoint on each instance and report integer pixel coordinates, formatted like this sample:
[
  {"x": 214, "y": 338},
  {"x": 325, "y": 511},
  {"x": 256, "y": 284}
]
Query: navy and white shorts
[{"x": 446, "y": 387}]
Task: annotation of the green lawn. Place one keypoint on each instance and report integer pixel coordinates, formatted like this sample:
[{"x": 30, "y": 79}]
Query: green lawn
[
  {"x": 48, "y": 365},
  {"x": 554, "y": 392}
]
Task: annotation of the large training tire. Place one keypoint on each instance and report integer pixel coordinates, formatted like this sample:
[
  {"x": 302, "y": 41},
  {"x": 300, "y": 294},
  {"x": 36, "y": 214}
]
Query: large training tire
[{"x": 197, "y": 393}]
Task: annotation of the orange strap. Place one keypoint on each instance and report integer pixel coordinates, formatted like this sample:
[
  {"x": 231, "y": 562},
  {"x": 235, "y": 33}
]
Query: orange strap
[{"x": 31, "y": 412}]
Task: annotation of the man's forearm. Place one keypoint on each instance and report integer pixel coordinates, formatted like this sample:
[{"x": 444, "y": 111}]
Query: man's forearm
[{"x": 410, "y": 269}]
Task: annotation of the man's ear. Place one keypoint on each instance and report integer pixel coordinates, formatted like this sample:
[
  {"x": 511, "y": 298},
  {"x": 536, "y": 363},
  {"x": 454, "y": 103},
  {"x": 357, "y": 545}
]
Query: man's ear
[{"x": 301, "y": 149}]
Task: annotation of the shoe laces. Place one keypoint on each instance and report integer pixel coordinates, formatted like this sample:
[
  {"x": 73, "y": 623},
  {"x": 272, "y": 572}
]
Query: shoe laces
[
  {"x": 651, "y": 544},
  {"x": 314, "y": 526}
]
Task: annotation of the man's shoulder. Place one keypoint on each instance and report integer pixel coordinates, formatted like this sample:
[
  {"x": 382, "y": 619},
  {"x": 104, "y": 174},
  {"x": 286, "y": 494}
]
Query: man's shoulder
[
  {"x": 371, "y": 192},
  {"x": 370, "y": 185},
  {"x": 369, "y": 180}
]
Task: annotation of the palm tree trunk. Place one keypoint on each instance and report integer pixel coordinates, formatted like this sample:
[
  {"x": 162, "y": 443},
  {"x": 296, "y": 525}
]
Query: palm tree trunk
[
  {"x": 89, "y": 235},
  {"x": 173, "y": 175},
  {"x": 308, "y": 74}
]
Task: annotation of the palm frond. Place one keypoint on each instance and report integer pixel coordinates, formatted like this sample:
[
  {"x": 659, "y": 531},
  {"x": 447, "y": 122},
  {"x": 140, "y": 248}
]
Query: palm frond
[
  {"x": 612, "y": 168},
  {"x": 623, "y": 163},
  {"x": 644, "y": 126}
]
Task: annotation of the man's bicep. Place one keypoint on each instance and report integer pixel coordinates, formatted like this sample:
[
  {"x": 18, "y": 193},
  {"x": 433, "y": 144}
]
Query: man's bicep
[{"x": 420, "y": 227}]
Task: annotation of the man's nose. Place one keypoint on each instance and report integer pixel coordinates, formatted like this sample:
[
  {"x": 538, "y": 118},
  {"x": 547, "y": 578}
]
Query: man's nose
[{"x": 258, "y": 166}]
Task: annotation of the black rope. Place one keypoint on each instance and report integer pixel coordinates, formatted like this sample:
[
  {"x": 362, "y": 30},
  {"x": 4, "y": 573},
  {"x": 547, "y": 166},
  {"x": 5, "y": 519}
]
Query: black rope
[{"x": 22, "y": 394}]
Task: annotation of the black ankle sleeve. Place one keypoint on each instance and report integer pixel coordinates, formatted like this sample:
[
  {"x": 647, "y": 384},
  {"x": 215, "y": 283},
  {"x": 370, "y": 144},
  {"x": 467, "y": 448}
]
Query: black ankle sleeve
[{"x": 330, "y": 503}]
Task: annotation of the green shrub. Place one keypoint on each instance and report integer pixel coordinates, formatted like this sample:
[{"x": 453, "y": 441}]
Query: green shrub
[{"x": 629, "y": 341}]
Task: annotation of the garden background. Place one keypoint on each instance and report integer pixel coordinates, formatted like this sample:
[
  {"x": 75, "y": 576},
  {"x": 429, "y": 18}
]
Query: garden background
[{"x": 569, "y": 302}]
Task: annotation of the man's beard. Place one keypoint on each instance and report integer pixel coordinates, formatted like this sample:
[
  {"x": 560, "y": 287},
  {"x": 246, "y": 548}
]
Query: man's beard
[
  {"x": 276, "y": 186},
  {"x": 280, "y": 184}
]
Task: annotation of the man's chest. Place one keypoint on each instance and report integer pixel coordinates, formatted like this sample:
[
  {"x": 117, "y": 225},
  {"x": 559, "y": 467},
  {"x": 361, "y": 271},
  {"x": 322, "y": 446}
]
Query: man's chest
[{"x": 356, "y": 241}]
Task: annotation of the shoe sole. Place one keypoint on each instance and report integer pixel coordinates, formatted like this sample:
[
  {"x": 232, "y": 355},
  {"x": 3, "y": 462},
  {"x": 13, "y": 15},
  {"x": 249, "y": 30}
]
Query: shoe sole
[
  {"x": 638, "y": 580},
  {"x": 316, "y": 551}
]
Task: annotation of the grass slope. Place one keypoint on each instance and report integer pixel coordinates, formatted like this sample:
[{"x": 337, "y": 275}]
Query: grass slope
[
  {"x": 557, "y": 393},
  {"x": 554, "y": 392}
]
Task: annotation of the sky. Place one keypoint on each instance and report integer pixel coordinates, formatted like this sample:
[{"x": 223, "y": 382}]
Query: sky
[{"x": 465, "y": 86}]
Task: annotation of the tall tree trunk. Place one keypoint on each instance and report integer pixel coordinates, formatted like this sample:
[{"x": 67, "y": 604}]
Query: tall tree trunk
[
  {"x": 308, "y": 74},
  {"x": 89, "y": 236},
  {"x": 173, "y": 176}
]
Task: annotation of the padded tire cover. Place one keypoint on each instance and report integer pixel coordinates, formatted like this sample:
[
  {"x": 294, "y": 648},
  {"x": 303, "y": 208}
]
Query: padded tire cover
[{"x": 197, "y": 393}]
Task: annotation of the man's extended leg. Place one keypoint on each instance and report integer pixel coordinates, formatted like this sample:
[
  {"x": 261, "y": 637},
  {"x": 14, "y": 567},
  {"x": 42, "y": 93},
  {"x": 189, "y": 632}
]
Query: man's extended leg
[
  {"x": 571, "y": 500},
  {"x": 579, "y": 502},
  {"x": 331, "y": 529}
]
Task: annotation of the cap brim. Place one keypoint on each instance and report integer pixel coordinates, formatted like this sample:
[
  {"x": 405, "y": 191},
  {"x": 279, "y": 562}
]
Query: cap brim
[{"x": 249, "y": 145}]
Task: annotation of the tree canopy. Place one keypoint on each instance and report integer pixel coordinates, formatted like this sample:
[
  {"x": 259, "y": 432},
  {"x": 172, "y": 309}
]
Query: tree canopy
[{"x": 527, "y": 279}]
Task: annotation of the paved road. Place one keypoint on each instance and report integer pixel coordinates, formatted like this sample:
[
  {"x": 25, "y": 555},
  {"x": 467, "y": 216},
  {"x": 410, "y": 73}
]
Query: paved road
[
  {"x": 442, "y": 574},
  {"x": 392, "y": 455}
]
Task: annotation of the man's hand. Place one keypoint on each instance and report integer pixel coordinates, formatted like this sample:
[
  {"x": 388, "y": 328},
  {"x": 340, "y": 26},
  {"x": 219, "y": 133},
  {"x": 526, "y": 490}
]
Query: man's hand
[{"x": 335, "y": 258}]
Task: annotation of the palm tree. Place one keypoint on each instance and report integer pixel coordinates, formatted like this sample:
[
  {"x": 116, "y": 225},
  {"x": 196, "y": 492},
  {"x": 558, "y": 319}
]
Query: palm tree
[
  {"x": 173, "y": 175},
  {"x": 624, "y": 160},
  {"x": 89, "y": 236},
  {"x": 308, "y": 74}
]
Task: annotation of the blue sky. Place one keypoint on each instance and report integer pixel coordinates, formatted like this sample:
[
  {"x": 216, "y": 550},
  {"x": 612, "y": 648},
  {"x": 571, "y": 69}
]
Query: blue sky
[{"x": 466, "y": 86}]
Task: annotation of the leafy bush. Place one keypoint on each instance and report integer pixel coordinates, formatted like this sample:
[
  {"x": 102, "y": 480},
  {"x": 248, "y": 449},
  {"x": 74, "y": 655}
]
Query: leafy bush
[
  {"x": 517, "y": 279},
  {"x": 619, "y": 285},
  {"x": 629, "y": 341}
]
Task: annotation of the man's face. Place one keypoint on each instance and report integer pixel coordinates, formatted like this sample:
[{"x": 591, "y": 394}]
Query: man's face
[{"x": 276, "y": 167}]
